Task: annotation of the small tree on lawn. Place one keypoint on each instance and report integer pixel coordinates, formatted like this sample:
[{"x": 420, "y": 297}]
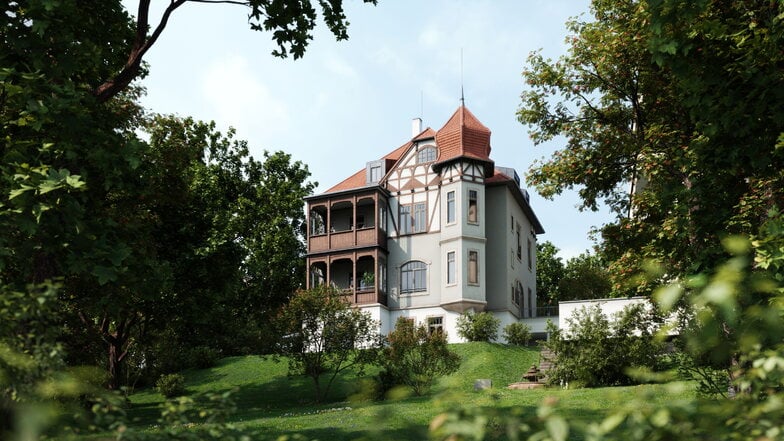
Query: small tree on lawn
[
  {"x": 323, "y": 335},
  {"x": 481, "y": 326},
  {"x": 416, "y": 357}
]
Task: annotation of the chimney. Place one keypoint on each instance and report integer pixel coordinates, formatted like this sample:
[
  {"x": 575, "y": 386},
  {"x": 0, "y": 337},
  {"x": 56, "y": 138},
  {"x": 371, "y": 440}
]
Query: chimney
[{"x": 416, "y": 127}]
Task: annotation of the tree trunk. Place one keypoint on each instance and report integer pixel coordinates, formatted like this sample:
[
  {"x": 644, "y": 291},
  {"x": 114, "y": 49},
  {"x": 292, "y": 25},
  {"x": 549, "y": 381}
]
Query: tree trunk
[{"x": 114, "y": 365}]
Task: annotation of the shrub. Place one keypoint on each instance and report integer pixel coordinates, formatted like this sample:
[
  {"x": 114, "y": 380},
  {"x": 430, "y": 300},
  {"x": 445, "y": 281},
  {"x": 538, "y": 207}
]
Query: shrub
[
  {"x": 481, "y": 326},
  {"x": 517, "y": 334},
  {"x": 203, "y": 357},
  {"x": 598, "y": 351},
  {"x": 416, "y": 357},
  {"x": 171, "y": 385}
]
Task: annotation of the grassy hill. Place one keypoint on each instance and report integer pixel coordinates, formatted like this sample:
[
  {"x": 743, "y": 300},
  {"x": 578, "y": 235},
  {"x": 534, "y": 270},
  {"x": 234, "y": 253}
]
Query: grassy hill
[{"x": 270, "y": 404}]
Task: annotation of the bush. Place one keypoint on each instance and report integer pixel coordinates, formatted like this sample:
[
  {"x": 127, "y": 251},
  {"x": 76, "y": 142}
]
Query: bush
[
  {"x": 478, "y": 327},
  {"x": 517, "y": 334},
  {"x": 203, "y": 357},
  {"x": 598, "y": 351},
  {"x": 415, "y": 357},
  {"x": 171, "y": 385}
]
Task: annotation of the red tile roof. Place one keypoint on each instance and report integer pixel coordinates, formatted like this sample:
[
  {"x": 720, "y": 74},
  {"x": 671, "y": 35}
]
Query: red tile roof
[
  {"x": 359, "y": 179},
  {"x": 498, "y": 176},
  {"x": 426, "y": 134},
  {"x": 463, "y": 135}
]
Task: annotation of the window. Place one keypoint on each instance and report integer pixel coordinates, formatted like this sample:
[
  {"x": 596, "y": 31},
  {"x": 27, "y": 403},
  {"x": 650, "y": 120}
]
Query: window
[
  {"x": 511, "y": 223},
  {"x": 473, "y": 267},
  {"x": 472, "y": 207},
  {"x": 531, "y": 308},
  {"x": 416, "y": 223},
  {"x": 427, "y": 154},
  {"x": 413, "y": 277},
  {"x": 360, "y": 221},
  {"x": 375, "y": 173},
  {"x": 530, "y": 257},
  {"x": 519, "y": 244},
  {"x": 382, "y": 276},
  {"x": 450, "y": 267},
  {"x": 405, "y": 219},
  {"x": 517, "y": 293},
  {"x": 450, "y": 207},
  {"x": 435, "y": 324},
  {"x": 382, "y": 216},
  {"x": 420, "y": 217}
]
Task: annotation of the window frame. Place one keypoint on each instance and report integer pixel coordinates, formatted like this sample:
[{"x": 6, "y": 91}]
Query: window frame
[
  {"x": 404, "y": 277},
  {"x": 432, "y": 326},
  {"x": 420, "y": 209},
  {"x": 424, "y": 156},
  {"x": 451, "y": 205},
  {"x": 451, "y": 268},
  {"x": 405, "y": 219},
  {"x": 473, "y": 259},
  {"x": 473, "y": 207},
  {"x": 375, "y": 173}
]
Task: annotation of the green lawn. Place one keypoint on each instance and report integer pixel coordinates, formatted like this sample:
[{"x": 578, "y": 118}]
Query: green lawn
[{"x": 270, "y": 404}]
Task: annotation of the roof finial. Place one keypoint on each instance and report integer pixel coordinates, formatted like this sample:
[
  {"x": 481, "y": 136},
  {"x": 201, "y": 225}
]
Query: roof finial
[{"x": 462, "y": 96}]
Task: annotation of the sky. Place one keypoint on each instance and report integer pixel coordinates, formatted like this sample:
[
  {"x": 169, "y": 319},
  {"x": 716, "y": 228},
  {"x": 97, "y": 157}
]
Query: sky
[{"x": 349, "y": 102}]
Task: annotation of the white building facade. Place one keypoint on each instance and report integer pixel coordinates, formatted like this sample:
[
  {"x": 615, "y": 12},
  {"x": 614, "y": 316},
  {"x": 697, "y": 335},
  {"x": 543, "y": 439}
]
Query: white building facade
[{"x": 429, "y": 231}]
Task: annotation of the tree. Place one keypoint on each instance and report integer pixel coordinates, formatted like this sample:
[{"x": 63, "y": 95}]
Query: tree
[
  {"x": 415, "y": 357},
  {"x": 549, "y": 271},
  {"x": 584, "y": 277},
  {"x": 211, "y": 223},
  {"x": 320, "y": 333},
  {"x": 649, "y": 97},
  {"x": 291, "y": 24}
]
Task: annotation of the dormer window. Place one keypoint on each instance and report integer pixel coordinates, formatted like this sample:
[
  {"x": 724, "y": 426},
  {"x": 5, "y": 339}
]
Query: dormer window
[
  {"x": 374, "y": 171},
  {"x": 427, "y": 154}
]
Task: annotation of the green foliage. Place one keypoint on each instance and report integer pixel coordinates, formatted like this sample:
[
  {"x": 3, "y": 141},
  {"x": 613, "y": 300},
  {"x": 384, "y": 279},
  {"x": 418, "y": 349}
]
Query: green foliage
[
  {"x": 517, "y": 334},
  {"x": 738, "y": 309},
  {"x": 320, "y": 333},
  {"x": 660, "y": 95},
  {"x": 171, "y": 385},
  {"x": 415, "y": 357},
  {"x": 482, "y": 326},
  {"x": 584, "y": 277},
  {"x": 549, "y": 272},
  {"x": 203, "y": 357},
  {"x": 599, "y": 351}
]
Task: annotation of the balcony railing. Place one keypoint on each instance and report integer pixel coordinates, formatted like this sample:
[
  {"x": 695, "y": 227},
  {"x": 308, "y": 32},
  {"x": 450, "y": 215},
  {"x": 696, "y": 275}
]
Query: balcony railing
[
  {"x": 547, "y": 311},
  {"x": 364, "y": 296},
  {"x": 339, "y": 240}
]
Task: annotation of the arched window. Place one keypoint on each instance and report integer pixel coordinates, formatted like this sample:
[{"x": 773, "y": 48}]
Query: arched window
[
  {"x": 427, "y": 154},
  {"x": 413, "y": 277}
]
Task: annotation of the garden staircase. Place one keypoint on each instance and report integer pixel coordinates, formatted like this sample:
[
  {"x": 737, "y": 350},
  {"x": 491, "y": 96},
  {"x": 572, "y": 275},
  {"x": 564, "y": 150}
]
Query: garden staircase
[{"x": 546, "y": 362}]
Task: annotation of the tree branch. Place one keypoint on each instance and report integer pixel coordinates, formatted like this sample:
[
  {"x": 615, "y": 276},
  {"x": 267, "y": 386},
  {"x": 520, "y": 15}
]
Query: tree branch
[{"x": 141, "y": 45}]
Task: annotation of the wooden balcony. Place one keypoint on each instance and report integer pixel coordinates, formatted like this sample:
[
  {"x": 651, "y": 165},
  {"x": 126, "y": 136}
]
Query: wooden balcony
[
  {"x": 342, "y": 240},
  {"x": 364, "y": 296}
]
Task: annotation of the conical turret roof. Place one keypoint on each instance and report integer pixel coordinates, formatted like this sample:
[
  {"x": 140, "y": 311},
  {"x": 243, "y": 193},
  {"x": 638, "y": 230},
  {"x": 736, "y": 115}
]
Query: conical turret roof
[{"x": 463, "y": 135}]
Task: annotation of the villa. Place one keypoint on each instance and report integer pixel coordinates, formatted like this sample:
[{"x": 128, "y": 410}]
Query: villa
[{"x": 430, "y": 230}]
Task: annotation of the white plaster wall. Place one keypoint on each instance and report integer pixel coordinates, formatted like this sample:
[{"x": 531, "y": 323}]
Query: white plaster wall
[{"x": 608, "y": 307}]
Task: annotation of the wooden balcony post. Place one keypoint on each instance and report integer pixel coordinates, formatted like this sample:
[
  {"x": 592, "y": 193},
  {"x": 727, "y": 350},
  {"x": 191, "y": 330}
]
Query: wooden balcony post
[
  {"x": 354, "y": 219},
  {"x": 356, "y": 281}
]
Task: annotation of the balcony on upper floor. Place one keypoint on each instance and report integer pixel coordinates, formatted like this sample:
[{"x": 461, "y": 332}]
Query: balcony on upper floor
[{"x": 346, "y": 223}]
